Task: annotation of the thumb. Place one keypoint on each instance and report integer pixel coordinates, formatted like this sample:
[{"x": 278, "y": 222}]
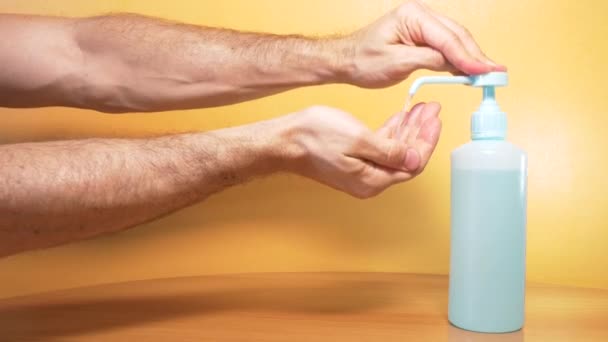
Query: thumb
[
  {"x": 431, "y": 59},
  {"x": 389, "y": 153}
]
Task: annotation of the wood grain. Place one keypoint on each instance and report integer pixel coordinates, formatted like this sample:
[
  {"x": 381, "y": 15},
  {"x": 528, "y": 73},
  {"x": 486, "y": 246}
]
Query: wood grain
[{"x": 288, "y": 307}]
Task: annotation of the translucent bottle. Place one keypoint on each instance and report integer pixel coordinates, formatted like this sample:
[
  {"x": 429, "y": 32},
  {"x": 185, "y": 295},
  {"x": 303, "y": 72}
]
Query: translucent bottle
[{"x": 488, "y": 218}]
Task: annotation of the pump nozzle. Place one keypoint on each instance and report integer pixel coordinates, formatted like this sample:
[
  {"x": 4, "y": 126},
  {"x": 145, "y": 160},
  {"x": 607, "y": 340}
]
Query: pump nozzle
[
  {"x": 492, "y": 79},
  {"x": 489, "y": 122}
]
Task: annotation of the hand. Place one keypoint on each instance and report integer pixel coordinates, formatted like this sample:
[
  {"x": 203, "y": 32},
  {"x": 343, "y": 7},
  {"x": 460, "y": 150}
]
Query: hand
[
  {"x": 412, "y": 37},
  {"x": 332, "y": 147}
]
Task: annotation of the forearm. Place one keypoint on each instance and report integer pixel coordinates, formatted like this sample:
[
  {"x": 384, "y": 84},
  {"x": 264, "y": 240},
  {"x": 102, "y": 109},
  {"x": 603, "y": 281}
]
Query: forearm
[
  {"x": 151, "y": 65},
  {"x": 56, "y": 192},
  {"x": 126, "y": 63}
]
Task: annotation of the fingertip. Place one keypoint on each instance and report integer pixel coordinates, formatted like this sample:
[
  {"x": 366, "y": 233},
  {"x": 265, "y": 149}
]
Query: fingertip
[
  {"x": 476, "y": 67},
  {"x": 417, "y": 107},
  {"x": 435, "y": 107},
  {"x": 431, "y": 110},
  {"x": 495, "y": 66},
  {"x": 412, "y": 159}
]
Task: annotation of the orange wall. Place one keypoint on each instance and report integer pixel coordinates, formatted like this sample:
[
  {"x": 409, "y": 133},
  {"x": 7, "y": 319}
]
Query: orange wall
[{"x": 556, "y": 52}]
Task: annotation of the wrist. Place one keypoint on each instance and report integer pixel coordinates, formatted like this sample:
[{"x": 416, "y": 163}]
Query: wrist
[
  {"x": 253, "y": 150},
  {"x": 264, "y": 147},
  {"x": 235, "y": 155},
  {"x": 341, "y": 56},
  {"x": 281, "y": 147}
]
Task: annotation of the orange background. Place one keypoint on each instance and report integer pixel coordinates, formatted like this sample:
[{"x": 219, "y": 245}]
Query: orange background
[{"x": 556, "y": 52}]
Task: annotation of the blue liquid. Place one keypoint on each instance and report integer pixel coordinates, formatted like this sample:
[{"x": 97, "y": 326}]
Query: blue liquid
[{"x": 488, "y": 239}]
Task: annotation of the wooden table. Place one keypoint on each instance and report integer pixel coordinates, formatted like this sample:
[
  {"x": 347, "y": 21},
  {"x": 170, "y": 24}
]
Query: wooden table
[{"x": 288, "y": 307}]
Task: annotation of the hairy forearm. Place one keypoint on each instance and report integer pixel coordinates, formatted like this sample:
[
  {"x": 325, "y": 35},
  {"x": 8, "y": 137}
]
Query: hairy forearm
[
  {"x": 127, "y": 63},
  {"x": 151, "y": 65},
  {"x": 56, "y": 192}
]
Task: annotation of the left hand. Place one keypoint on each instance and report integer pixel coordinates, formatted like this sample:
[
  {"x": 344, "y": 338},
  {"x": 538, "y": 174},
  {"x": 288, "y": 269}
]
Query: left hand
[{"x": 333, "y": 148}]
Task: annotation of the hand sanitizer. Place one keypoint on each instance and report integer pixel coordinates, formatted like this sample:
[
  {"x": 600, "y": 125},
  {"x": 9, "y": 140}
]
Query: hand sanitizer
[{"x": 488, "y": 217}]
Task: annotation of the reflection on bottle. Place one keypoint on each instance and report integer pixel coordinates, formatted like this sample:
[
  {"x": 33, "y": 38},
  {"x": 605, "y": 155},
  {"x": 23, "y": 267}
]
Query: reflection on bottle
[{"x": 460, "y": 335}]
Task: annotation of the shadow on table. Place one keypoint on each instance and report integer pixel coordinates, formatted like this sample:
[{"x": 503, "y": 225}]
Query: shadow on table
[{"x": 64, "y": 315}]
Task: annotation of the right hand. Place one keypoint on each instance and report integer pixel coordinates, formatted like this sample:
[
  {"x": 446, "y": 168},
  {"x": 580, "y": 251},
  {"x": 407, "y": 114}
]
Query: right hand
[
  {"x": 332, "y": 147},
  {"x": 412, "y": 37}
]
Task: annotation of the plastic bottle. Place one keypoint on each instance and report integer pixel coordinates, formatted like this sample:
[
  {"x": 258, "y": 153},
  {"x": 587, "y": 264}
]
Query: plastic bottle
[{"x": 488, "y": 218}]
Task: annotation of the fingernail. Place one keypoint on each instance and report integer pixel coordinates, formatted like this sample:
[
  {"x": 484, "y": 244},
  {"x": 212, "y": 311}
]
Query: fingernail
[
  {"x": 495, "y": 65},
  {"x": 412, "y": 160}
]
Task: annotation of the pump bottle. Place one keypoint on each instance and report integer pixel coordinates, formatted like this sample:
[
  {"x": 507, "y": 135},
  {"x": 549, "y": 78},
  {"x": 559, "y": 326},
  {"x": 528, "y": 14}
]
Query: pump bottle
[{"x": 488, "y": 217}]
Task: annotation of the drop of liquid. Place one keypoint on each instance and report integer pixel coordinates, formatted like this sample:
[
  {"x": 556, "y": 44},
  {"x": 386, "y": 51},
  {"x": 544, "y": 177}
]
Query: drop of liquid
[
  {"x": 403, "y": 114},
  {"x": 408, "y": 102}
]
